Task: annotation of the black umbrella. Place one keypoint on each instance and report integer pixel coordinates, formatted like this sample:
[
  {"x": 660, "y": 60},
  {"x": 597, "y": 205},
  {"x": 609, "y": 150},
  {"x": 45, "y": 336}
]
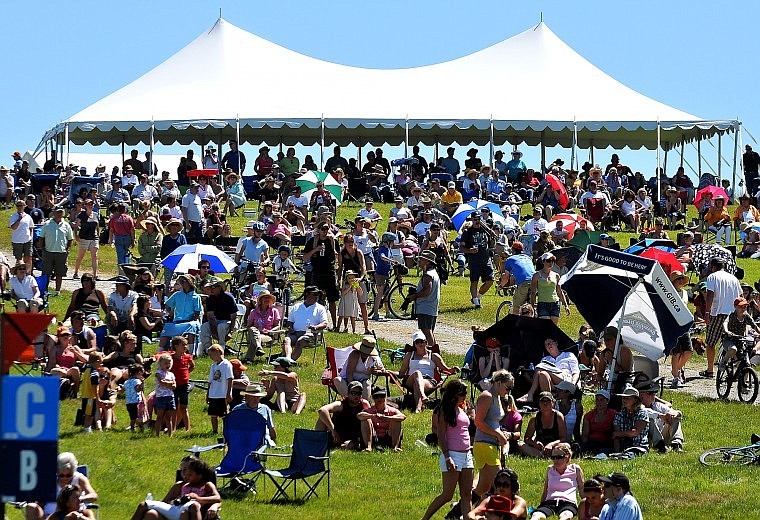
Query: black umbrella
[
  {"x": 572, "y": 254},
  {"x": 526, "y": 338}
]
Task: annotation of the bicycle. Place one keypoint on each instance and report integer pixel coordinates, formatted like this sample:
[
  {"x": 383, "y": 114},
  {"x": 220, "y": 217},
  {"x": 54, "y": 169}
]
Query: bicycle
[
  {"x": 396, "y": 293},
  {"x": 739, "y": 455},
  {"x": 505, "y": 307},
  {"x": 738, "y": 369}
]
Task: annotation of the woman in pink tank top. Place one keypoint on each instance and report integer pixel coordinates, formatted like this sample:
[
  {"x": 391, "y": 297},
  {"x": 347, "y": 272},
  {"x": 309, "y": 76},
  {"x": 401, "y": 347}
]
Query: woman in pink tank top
[{"x": 563, "y": 480}]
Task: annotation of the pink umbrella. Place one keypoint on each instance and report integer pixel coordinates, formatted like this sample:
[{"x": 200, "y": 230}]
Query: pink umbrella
[
  {"x": 714, "y": 191},
  {"x": 570, "y": 222}
]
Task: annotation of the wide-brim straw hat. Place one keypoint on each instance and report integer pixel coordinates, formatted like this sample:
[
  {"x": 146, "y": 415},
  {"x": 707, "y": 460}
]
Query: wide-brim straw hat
[
  {"x": 150, "y": 220},
  {"x": 368, "y": 345}
]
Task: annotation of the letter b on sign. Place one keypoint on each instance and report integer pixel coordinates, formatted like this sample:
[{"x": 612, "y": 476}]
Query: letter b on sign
[{"x": 27, "y": 478}]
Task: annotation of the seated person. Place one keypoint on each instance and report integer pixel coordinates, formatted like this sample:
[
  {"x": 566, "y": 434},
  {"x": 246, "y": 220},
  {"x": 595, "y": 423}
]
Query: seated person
[
  {"x": 305, "y": 319},
  {"x": 545, "y": 430},
  {"x": 556, "y": 366},
  {"x": 341, "y": 419},
  {"x": 751, "y": 240},
  {"x": 562, "y": 482},
  {"x": 221, "y": 316},
  {"x": 362, "y": 363},
  {"x": 418, "y": 368},
  {"x": 658, "y": 232},
  {"x": 492, "y": 360},
  {"x": 185, "y": 308},
  {"x": 83, "y": 336},
  {"x": 284, "y": 383},
  {"x": 63, "y": 356},
  {"x": 623, "y": 363},
  {"x": 506, "y": 485},
  {"x": 451, "y": 199},
  {"x": 597, "y": 429},
  {"x": 631, "y": 424},
  {"x": 67, "y": 475},
  {"x": 122, "y": 306},
  {"x": 24, "y": 290},
  {"x": 263, "y": 321},
  {"x": 381, "y": 424},
  {"x": 685, "y": 251},
  {"x": 123, "y": 357},
  {"x": 664, "y": 420},
  {"x": 252, "y": 401},
  {"x": 195, "y": 494},
  {"x": 627, "y": 207},
  {"x": 593, "y": 500},
  {"x": 279, "y": 229},
  {"x": 673, "y": 208},
  {"x": 719, "y": 221}
]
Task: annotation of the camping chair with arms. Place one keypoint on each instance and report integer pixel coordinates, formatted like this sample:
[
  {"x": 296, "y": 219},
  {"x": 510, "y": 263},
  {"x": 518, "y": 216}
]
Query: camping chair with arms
[
  {"x": 336, "y": 359},
  {"x": 310, "y": 458},
  {"x": 43, "y": 282}
]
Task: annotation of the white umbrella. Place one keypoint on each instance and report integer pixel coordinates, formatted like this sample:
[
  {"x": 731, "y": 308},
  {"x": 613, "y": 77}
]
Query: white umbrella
[{"x": 186, "y": 257}]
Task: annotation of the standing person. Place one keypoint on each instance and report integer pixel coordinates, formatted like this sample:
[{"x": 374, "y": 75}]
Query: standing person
[
  {"x": 322, "y": 250},
  {"x": 22, "y": 226},
  {"x": 165, "y": 386},
  {"x": 351, "y": 259},
  {"x": 427, "y": 298},
  {"x": 192, "y": 213},
  {"x": 751, "y": 161},
  {"x": 722, "y": 289},
  {"x": 620, "y": 502},
  {"x": 546, "y": 290},
  {"x": 489, "y": 437},
  {"x": 182, "y": 366},
  {"x": 219, "y": 393},
  {"x": 234, "y": 159},
  {"x": 210, "y": 159},
  {"x": 476, "y": 243},
  {"x": 518, "y": 271},
  {"x": 57, "y": 237},
  {"x": 88, "y": 224},
  {"x": 348, "y": 307},
  {"x": 562, "y": 483},
  {"x": 383, "y": 267},
  {"x": 121, "y": 233},
  {"x": 452, "y": 427},
  {"x": 171, "y": 241}
]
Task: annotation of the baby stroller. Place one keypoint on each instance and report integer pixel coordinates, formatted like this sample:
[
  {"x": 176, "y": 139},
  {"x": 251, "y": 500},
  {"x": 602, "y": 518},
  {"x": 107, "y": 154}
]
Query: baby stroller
[{"x": 40, "y": 180}]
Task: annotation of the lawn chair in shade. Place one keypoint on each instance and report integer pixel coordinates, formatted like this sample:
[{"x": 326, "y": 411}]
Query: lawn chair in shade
[
  {"x": 310, "y": 460},
  {"x": 244, "y": 434}
]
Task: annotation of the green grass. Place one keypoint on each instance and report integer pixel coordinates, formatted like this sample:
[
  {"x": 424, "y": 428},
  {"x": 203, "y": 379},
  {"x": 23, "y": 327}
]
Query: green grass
[{"x": 124, "y": 466}]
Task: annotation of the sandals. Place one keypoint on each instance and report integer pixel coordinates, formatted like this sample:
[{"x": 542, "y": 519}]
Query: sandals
[{"x": 707, "y": 374}]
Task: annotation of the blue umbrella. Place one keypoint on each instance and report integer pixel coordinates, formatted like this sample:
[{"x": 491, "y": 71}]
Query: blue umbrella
[
  {"x": 660, "y": 243},
  {"x": 186, "y": 257},
  {"x": 464, "y": 210}
]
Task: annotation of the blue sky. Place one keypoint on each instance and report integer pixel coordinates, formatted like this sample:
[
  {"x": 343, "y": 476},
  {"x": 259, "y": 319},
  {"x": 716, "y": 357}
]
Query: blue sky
[{"x": 698, "y": 56}]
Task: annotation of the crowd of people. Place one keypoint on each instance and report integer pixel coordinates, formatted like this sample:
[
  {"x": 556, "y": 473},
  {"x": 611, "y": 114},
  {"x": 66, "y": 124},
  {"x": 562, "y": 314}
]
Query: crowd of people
[{"x": 193, "y": 315}]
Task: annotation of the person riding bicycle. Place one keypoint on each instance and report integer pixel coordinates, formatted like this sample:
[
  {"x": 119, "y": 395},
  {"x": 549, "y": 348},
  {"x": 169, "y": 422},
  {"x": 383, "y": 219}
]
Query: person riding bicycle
[
  {"x": 253, "y": 249},
  {"x": 282, "y": 265},
  {"x": 735, "y": 328}
]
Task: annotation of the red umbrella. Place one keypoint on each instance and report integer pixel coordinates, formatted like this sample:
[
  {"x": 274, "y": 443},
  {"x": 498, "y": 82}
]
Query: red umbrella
[
  {"x": 667, "y": 260},
  {"x": 715, "y": 191},
  {"x": 570, "y": 222},
  {"x": 553, "y": 181}
]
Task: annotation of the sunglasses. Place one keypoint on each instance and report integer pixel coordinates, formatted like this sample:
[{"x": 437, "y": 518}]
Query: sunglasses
[
  {"x": 558, "y": 457},
  {"x": 355, "y": 393},
  {"x": 202, "y": 267},
  {"x": 65, "y": 475}
]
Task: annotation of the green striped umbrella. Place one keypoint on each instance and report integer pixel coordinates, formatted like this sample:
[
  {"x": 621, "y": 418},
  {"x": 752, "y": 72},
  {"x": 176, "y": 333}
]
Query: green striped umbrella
[{"x": 308, "y": 183}]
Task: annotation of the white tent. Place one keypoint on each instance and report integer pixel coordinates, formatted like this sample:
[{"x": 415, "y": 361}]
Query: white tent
[{"x": 540, "y": 92}]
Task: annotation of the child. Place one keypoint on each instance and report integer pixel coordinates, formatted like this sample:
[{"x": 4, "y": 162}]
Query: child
[
  {"x": 134, "y": 396},
  {"x": 189, "y": 498},
  {"x": 562, "y": 482},
  {"x": 89, "y": 389},
  {"x": 348, "y": 307},
  {"x": 165, "y": 385},
  {"x": 106, "y": 399},
  {"x": 382, "y": 272},
  {"x": 182, "y": 365},
  {"x": 282, "y": 265},
  {"x": 735, "y": 328},
  {"x": 285, "y": 383},
  {"x": 219, "y": 393}
]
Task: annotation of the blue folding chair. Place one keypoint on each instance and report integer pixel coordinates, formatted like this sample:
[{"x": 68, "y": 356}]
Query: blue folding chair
[
  {"x": 43, "y": 282},
  {"x": 100, "y": 336},
  {"x": 244, "y": 433},
  {"x": 310, "y": 458}
]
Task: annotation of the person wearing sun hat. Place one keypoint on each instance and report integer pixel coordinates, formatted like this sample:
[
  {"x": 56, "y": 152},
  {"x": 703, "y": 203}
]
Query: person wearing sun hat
[
  {"x": 263, "y": 322},
  {"x": 235, "y": 191},
  {"x": 361, "y": 365},
  {"x": 631, "y": 425},
  {"x": 150, "y": 241},
  {"x": 171, "y": 241},
  {"x": 252, "y": 401},
  {"x": 427, "y": 297},
  {"x": 220, "y": 317},
  {"x": 185, "y": 307},
  {"x": 283, "y": 381}
]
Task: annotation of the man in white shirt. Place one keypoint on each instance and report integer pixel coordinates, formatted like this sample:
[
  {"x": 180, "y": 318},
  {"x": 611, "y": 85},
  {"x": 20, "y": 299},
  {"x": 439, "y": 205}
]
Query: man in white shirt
[
  {"x": 24, "y": 289},
  {"x": 22, "y": 225},
  {"x": 305, "y": 319},
  {"x": 210, "y": 160},
  {"x": 192, "y": 213},
  {"x": 368, "y": 211},
  {"x": 144, "y": 191},
  {"x": 297, "y": 198},
  {"x": 722, "y": 289},
  {"x": 537, "y": 224}
]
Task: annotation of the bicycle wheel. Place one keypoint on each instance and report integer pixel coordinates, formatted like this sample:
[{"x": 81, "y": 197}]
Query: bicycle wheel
[
  {"x": 396, "y": 298},
  {"x": 724, "y": 456},
  {"x": 747, "y": 385},
  {"x": 723, "y": 383},
  {"x": 371, "y": 295},
  {"x": 505, "y": 308}
]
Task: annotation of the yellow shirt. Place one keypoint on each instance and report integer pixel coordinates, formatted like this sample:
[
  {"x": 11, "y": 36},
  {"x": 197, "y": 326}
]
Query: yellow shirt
[{"x": 452, "y": 198}]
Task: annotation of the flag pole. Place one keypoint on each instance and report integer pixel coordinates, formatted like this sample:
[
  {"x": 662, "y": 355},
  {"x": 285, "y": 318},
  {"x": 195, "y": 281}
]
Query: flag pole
[{"x": 237, "y": 138}]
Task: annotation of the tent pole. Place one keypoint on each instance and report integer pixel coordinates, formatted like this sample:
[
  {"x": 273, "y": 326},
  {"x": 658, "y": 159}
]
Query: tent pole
[
  {"x": 122, "y": 151},
  {"x": 618, "y": 339},
  {"x": 490, "y": 144},
  {"x": 683, "y": 140},
  {"x": 435, "y": 159},
  {"x": 699, "y": 153},
  {"x": 150, "y": 164},
  {"x": 665, "y": 161},
  {"x": 543, "y": 153},
  {"x": 202, "y": 143},
  {"x": 737, "y": 146},
  {"x": 237, "y": 139},
  {"x": 359, "y": 155},
  {"x": 591, "y": 152},
  {"x": 220, "y": 150},
  {"x": 657, "y": 170},
  {"x": 575, "y": 144},
  {"x": 322, "y": 144},
  {"x": 406, "y": 137},
  {"x": 720, "y": 148},
  {"x": 66, "y": 143}
]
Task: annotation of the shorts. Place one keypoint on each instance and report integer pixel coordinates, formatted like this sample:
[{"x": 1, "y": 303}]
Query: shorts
[
  {"x": 22, "y": 250},
  {"x": 426, "y": 321},
  {"x": 326, "y": 282},
  {"x": 462, "y": 460},
  {"x": 521, "y": 295},
  {"x": 132, "y": 410},
  {"x": 217, "y": 407},
  {"x": 181, "y": 394},
  {"x": 548, "y": 309},
  {"x": 381, "y": 279},
  {"x": 683, "y": 344},
  {"x": 715, "y": 330},
  {"x": 88, "y": 245},
  {"x": 555, "y": 507},
  {"x": 483, "y": 272},
  {"x": 54, "y": 263},
  {"x": 165, "y": 403},
  {"x": 486, "y": 454},
  {"x": 346, "y": 435},
  {"x": 382, "y": 442}
]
